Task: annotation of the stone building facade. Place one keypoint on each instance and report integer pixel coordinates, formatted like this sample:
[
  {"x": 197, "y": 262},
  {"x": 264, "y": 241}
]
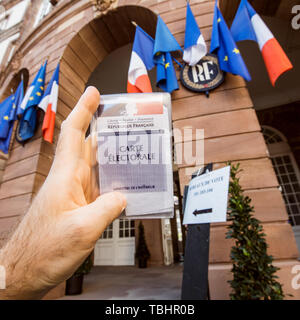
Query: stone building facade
[{"x": 80, "y": 34}]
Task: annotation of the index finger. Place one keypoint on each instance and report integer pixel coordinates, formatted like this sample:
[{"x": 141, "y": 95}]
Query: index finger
[
  {"x": 81, "y": 115},
  {"x": 73, "y": 129}
]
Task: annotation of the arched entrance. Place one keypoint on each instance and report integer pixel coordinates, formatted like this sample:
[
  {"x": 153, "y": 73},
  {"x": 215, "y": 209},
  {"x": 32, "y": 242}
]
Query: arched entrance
[
  {"x": 117, "y": 244},
  {"x": 99, "y": 55},
  {"x": 92, "y": 44},
  {"x": 287, "y": 173}
]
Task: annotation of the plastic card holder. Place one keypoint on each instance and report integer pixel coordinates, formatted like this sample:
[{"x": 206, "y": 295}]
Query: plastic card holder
[{"x": 132, "y": 152}]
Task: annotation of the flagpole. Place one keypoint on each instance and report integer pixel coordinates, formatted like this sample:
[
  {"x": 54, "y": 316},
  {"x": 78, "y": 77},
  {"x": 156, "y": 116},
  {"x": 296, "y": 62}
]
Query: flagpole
[
  {"x": 134, "y": 23},
  {"x": 145, "y": 33},
  {"x": 179, "y": 64}
]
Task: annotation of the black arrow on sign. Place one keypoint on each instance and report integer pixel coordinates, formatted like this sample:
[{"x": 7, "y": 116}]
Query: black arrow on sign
[{"x": 196, "y": 212}]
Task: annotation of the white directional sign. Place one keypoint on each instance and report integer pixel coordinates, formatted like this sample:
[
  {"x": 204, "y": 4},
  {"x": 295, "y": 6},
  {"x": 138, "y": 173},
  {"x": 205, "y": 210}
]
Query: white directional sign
[{"x": 207, "y": 197}]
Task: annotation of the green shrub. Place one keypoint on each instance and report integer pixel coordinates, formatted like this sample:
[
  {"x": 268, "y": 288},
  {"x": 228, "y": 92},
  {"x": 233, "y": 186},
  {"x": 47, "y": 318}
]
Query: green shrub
[
  {"x": 142, "y": 251},
  {"x": 253, "y": 273}
]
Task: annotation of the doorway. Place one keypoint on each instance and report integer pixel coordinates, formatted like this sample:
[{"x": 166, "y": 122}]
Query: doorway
[
  {"x": 116, "y": 246},
  {"x": 287, "y": 173}
]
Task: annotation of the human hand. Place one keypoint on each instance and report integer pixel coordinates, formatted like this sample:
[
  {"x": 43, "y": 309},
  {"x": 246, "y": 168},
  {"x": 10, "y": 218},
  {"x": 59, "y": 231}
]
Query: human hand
[{"x": 65, "y": 219}]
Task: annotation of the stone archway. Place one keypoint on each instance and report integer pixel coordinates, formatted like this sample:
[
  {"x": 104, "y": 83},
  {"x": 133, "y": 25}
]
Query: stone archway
[
  {"x": 92, "y": 44},
  {"x": 83, "y": 54}
]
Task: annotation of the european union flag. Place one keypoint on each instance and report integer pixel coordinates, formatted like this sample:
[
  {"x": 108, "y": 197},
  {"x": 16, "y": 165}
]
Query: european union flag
[
  {"x": 8, "y": 115},
  {"x": 224, "y": 46},
  {"x": 5, "y": 124},
  {"x": 19, "y": 96},
  {"x": 28, "y": 109},
  {"x": 163, "y": 45}
]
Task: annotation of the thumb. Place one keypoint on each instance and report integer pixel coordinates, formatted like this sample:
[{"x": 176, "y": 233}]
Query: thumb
[{"x": 99, "y": 214}]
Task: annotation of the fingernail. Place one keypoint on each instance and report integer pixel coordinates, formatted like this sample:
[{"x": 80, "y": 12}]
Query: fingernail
[{"x": 123, "y": 200}]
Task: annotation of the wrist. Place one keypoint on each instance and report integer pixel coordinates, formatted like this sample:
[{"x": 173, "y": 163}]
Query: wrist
[{"x": 20, "y": 277}]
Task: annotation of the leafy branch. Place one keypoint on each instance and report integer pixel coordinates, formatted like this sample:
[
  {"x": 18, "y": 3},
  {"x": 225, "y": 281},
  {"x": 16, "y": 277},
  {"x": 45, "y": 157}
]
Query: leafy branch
[{"x": 253, "y": 273}]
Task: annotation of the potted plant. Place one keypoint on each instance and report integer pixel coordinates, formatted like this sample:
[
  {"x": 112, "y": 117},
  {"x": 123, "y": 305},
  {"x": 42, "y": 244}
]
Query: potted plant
[
  {"x": 253, "y": 272},
  {"x": 142, "y": 252},
  {"x": 74, "y": 284}
]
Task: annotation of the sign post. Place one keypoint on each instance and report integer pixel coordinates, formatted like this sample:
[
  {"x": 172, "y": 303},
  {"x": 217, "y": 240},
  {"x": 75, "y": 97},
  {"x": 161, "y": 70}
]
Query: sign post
[
  {"x": 195, "y": 271},
  {"x": 205, "y": 202}
]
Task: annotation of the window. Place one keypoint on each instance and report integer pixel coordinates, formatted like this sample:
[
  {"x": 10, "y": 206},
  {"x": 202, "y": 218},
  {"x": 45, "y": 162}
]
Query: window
[
  {"x": 45, "y": 8},
  {"x": 126, "y": 228},
  {"x": 286, "y": 170},
  {"x": 290, "y": 186},
  {"x": 3, "y": 23},
  {"x": 271, "y": 136},
  {"x": 6, "y": 48},
  {"x": 108, "y": 232}
]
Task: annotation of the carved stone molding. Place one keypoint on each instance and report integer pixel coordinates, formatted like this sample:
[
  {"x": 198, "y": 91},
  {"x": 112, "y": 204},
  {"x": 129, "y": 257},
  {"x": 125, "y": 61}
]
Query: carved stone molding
[
  {"x": 16, "y": 61},
  {"x": 102, "y": 6}
]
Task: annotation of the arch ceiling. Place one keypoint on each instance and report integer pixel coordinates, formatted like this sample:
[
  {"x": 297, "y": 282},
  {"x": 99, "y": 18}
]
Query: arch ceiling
[{"x": 92, "y": 44}]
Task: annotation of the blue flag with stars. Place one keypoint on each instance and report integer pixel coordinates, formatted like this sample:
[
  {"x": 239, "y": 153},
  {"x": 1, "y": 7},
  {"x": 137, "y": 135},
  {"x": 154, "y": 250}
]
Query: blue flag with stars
[
  {"x": 8, "y": 115},
  {"x": 163, "y": 45},
  {"x": 35, "y": 91},
  {"x": 19, "y": 96},
  {"x": 5, "y": 124},
  {"x": 28, "y": 109},
  {"x": 224, "y": 46}
]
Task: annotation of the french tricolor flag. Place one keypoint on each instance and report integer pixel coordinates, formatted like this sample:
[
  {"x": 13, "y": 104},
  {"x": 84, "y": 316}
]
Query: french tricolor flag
[
  {"x": 194, "y": 44},
  {"x": 49, "y": 105},
  {"x": 248, "y": 25},
  {"x": 141, "y": 61}
]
